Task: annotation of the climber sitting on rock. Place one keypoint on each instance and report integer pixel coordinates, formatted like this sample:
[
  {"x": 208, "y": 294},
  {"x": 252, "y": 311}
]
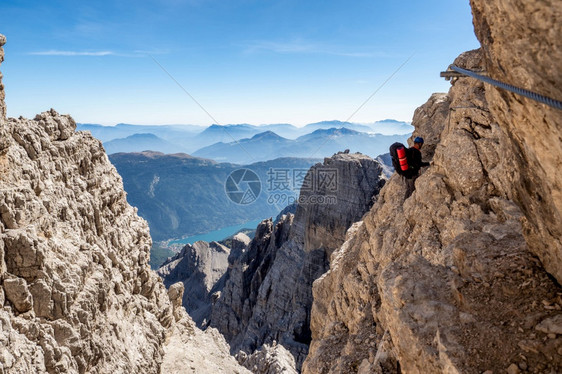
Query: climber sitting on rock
[{"x": 415, "y": 163}]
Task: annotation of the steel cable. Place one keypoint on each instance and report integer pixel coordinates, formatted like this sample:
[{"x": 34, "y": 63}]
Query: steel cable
[{"x": 520, "y": 91}]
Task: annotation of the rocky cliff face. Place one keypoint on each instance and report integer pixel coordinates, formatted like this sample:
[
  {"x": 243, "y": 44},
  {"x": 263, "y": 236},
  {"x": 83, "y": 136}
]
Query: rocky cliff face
[
  {"x": 460, "y": 277},
  {"x": 200, "y": 267},
  {"x": 267, "y": 296},
  {"x": 77, "y": 293},
  {"x": 522, "y": 45}
]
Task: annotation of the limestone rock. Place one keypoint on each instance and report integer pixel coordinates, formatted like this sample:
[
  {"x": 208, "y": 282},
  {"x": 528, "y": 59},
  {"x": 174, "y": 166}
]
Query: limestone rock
[
  {"x": 289, "y": 209},
  {"x": 386, "y": 162},
  {"x": 431, "y": 118},
  {"x": 240, "y": 241},
  {"x": 200, "y": 352},
  {"x": 200, "y": 267},
  {"x": 76, "y": 253},
  {"x": 233, "y": 309},
  {"x": 552, "y": 325},
  {"x": 175, "y": 293},
  {"x": 274, "y": 359},
  {"x": 348, "y": 185},
  {"x": 238, "y": 246},
  {"x": 18, "y": 294},
  {"x": 522, "y": 46}
]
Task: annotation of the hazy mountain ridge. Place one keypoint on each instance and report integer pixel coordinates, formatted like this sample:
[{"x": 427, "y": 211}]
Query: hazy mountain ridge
[
  {"x": 141, "y": 142},
  {"x": 319, "y": 143},
  {"x": 336, "y": 124},
  {"x": 191, "y": 138},
  {"x": 122, "y": 130}
]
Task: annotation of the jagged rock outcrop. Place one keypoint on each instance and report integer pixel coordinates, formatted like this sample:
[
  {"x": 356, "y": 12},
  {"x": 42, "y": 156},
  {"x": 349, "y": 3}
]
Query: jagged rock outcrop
[
  {"x": 447, "y": 281},
  {"x": 247, "y": 269},
  {"x": 76, "y": 289},
  {"x": 289, "y": 209},
  {"x": 430, "y": 119},
  {"x": 274, "y": 359},
  {"x": 200, "y": 268},
  {"x": 267, "y": 296}
]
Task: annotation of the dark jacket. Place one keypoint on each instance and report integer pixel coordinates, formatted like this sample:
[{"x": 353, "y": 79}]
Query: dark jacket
[{"x": 415, "y": 162}]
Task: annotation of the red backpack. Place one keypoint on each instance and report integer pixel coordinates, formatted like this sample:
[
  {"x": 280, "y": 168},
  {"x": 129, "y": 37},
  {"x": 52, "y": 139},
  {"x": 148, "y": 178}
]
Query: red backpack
[{"x": 399, "y": 155}]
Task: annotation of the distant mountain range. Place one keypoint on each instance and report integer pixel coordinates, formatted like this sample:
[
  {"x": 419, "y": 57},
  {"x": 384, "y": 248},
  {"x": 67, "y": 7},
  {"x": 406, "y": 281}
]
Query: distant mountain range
[
  {"x": 336, "y": 124},
  {"x": 392, "y": 127},
  {"x": 319, "y": 143},
  {"x": 180, "y": 195},
  {"x": 216, "y": 133},
  {"x": 191, "y": 138},
  {"x": 141, "y": 142},
  {"x": 123, "y": 130}
]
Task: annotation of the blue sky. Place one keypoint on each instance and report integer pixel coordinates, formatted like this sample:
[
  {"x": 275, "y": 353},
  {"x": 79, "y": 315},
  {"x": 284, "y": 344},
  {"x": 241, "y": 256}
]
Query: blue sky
[{"x": 245, "y": 61}]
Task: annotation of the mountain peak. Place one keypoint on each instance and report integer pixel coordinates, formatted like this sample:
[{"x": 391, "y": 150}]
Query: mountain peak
[
  {"x": 336, "y": 131},
  {"x": 269, "y": 135},
  {"x": 334, "y": 123},
  {"x": 145, "y": 135}
]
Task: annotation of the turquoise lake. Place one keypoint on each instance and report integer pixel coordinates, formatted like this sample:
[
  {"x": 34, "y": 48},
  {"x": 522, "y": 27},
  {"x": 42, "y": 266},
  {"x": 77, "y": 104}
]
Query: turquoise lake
[{"x": 217, "y": 235}]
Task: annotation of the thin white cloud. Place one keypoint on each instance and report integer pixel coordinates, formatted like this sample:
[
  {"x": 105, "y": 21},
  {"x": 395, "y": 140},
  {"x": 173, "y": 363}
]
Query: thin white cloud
[
  {"x": 71, "y": 53},
  {"x": 151, "y": 52},
  {"x": 302, "y": 47},
  {"x": 133, "y": 54}
]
